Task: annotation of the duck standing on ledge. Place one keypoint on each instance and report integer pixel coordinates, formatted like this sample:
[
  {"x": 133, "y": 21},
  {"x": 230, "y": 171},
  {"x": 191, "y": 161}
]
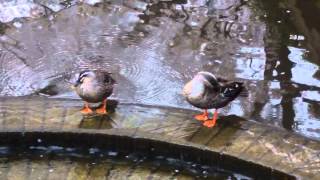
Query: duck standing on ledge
[
  {"x": 94, "y": 87},
  {"x": 205, "y": 91}
]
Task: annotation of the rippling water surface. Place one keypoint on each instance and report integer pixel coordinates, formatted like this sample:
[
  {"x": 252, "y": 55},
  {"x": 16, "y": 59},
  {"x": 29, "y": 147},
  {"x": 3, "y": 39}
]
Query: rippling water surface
[{"x": 154, "y": 47}]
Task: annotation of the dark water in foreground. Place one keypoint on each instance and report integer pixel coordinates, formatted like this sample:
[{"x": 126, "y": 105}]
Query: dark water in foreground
[
  {"x": 154, "y": 47},
  {"x": 55, "y": 162}
]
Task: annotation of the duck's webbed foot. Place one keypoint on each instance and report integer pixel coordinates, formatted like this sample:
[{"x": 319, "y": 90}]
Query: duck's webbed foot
[
  {"x": 103, "y": 108},
  {"x": 211, "y": 122},
  {"x": 86, "y": 109},
  {"x": 202, "y": 117}
]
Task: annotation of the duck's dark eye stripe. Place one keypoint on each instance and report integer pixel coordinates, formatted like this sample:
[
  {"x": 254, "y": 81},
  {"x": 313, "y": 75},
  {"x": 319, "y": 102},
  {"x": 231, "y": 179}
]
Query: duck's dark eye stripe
[{"x": 83, "y": 75}]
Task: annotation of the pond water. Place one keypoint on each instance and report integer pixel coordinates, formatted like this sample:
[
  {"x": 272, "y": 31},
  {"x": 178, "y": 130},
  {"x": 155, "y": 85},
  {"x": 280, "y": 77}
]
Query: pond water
[
  {"x": 55, "y": 162},
  {"x": 154, "y": 47}
]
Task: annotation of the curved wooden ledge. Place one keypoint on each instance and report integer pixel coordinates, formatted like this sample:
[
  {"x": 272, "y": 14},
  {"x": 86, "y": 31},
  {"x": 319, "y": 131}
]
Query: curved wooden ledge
[{"x": 242, "y": 146}]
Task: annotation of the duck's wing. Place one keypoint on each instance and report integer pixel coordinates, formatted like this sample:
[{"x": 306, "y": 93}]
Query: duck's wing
[
  {"x": 212, "y": 91},
  {"x": 108, "y": 79},
  {"x": 210, "y": 80},
  {"x": 222, "y": 80},
  {"x": 105, "y": 77},
  {"x": 213, "y": 88}
]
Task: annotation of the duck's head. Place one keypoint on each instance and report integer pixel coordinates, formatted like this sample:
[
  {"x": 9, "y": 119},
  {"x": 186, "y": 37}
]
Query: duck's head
[
  {"x": 84, "y": 77},
  {"x": 196, "y": 87},
  {"x": 207, "y": 78}
]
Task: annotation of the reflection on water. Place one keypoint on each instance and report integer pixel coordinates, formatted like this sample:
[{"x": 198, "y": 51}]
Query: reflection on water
[
  {"x": 153, "y": 48},
  {"x": 56, "y": 162}
]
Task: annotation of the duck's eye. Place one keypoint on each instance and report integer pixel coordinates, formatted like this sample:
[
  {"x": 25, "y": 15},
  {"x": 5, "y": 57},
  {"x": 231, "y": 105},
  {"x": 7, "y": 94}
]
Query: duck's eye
[{"x": 81, "y": 79}]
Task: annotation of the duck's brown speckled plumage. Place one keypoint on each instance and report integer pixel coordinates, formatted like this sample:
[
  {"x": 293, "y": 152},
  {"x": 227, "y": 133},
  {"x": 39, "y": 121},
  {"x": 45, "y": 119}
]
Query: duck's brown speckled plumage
[
  {"x": 214, "y": 93},
  {"x": 95, "y": 86},
  {"x": 205, "y": 91}
]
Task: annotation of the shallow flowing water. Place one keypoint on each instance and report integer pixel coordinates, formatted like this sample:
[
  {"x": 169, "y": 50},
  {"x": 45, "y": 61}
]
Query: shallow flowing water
[{"x": 154, "y": 47}]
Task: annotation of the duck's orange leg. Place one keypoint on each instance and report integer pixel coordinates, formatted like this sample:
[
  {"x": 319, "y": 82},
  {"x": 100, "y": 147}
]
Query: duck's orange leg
[
  {"x": 211, "y": 123},
  {"x": 103, "y": 108},
  {"x": 86, "y": 109},
  {"x": 203, "y": 116}
]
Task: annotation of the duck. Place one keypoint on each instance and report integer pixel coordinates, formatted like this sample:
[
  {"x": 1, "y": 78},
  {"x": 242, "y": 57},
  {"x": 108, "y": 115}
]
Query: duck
[
  {"x": 206, "y": 91},
  {"x": 94, "y": 86}
]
